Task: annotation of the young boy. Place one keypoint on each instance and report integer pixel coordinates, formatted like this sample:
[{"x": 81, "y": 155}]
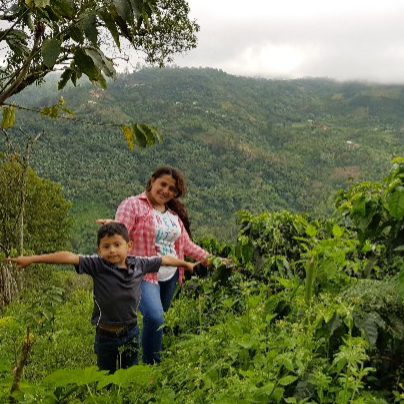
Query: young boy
[{"x": 117, "y": 278}]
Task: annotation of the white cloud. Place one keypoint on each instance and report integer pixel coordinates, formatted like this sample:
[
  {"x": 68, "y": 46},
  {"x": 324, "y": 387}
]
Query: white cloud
[
  {"x": 343, "y": 39},
  {"x": 273, "y": 59}
]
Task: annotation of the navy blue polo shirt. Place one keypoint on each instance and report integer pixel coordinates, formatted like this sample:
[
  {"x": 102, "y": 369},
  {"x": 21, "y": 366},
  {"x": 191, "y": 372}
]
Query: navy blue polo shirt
[{"x": 116, "y": 289}]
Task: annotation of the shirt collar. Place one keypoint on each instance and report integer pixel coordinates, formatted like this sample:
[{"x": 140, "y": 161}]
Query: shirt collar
[
  {"x": 130, "y": 263},
  {"x": 143, "y": 196}
]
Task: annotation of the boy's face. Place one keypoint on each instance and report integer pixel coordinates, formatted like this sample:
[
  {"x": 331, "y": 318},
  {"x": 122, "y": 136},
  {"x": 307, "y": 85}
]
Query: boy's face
[{"x": 114, "y": 249}]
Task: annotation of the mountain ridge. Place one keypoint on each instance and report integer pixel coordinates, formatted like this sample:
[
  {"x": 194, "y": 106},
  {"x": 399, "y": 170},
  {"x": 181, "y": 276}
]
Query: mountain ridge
[{"x": 242, "y": 143}]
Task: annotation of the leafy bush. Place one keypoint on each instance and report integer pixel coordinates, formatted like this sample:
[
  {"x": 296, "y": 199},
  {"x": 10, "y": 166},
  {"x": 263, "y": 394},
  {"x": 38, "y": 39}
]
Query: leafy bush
[
  {"x": 380, "y": 314},
  {"x": 376, "y": 212},
  {"x": 46, "y": 211}
]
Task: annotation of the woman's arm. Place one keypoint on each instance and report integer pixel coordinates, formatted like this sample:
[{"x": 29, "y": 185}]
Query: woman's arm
[
  {"x": 167, "y": 260},
  {"x": 193, "y": 250},
  {"x": 57, "y": 258}
]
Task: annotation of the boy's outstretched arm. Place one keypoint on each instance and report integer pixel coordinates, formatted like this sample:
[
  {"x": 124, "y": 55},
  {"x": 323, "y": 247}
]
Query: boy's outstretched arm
[
  {"x": 60, "y": 257},
  {"x": 167, "y": 260}
]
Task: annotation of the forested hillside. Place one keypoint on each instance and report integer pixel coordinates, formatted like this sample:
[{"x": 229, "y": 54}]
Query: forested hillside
[{"x": 242, "y": 143}]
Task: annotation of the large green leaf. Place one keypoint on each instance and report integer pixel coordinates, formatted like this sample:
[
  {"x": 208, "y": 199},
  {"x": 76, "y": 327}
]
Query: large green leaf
[
  {"x": 50, "y": 51},
  {"x": 17, "y": 41},
  {"x": 109, "y": 68},
  {"x": 64, "y": 78},
  {"x": 135, "y": 375},
  {"x": 110, "y": 24},
  {"x": 140, "y": 136},
  {"x": 16, "y": 33},
  {"x": 101, "y": 62},
  {"x": 311, "y": 231},
  {"x": 76, "y": 74},
  {"x": 136, "y": 7},
  {"x": 152, "y": 134},
  {"x": 64, "y": 7},
  {"x": 396, "y": 203},
  {"x": 53, "y": 15},
  {"x": 89, "y": 25},
  {"x": 359, "y": 206},
  {"x": 144, "y": 135},
  {"x": 337, "y": 231},
  {"x": 76, "y": 34},
  {"x": 38, "y": 3},
  {"x": 8, "y": 117},
  {"x": 123, "y": 9},
  {"x": 310, "y": 279},
  {"x": 285, "y": 381},
  {"x": 64, "y": 377},
  {"x": 86, "y": 64},
  {"x": 368, "y": 323},
  {"x": 128, "y": 133}
]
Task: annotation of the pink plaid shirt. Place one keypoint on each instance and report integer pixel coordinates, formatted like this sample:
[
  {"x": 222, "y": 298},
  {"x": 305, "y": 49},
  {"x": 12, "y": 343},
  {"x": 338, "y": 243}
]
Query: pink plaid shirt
[{"x": 136, "y": 213}]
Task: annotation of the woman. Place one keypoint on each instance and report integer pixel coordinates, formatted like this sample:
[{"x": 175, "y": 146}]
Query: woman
[{"x": 158, "y": 224}]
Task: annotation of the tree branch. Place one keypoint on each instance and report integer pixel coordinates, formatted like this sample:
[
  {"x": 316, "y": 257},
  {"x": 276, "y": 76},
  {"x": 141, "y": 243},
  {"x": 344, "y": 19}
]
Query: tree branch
[
  {"x": 16, "y": 22},
  {"x": 39, "y": 30}
]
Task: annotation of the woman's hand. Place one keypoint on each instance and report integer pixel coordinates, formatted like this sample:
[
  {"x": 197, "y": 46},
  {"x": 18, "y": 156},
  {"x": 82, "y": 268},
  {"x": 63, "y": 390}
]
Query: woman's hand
[
  {"x": 104, "y": 221},
  {"x": 216, "y": 262}
]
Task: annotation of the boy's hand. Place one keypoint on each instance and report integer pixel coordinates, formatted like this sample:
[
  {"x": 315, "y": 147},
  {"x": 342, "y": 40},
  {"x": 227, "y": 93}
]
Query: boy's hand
[
  {"x": 191, "y": 265},
  {"x": 57, "y": 258},
  {"x": 22, "y": 262}
]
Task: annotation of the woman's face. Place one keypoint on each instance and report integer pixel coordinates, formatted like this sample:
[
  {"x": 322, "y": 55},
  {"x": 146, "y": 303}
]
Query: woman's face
[{"x": 162, "y": 190}]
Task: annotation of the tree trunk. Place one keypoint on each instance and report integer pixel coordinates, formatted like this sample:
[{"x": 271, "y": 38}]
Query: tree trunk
[
  {"x": 8, "y": 284},
  {"x": 21, "y": 246},
  {"x": 26, "y": 348}
]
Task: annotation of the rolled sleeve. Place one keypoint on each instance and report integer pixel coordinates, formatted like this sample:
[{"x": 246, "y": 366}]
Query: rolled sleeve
[
  {"x": 148, "y": 264},
  {"x": 192, "y": 250},
  {"x": 88, "y": 264}
]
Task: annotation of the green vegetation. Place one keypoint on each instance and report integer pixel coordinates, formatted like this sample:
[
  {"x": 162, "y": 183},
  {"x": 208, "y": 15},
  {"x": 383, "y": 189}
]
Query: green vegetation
[
  {"x": 302, "y": 315},
  {"x": 34, "y": 216},
  {"x": 46, "y": 215}
]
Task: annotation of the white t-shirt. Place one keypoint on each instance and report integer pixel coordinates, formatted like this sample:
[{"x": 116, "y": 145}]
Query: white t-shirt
[{"x": 167, "y": 230}]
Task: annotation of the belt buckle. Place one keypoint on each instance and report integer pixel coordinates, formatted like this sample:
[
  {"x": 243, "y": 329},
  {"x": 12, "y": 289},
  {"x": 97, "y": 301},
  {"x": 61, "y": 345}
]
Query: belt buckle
[{"x": 122, "y": 332}]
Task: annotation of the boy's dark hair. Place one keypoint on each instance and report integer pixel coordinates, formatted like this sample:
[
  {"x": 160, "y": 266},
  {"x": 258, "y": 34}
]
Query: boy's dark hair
[{"x": 112, "y": 229}]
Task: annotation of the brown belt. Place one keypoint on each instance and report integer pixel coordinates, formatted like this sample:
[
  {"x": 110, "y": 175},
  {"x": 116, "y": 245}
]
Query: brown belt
[
  {"x": 111, "y": 329},
  {"x": 114, "y": 332}
]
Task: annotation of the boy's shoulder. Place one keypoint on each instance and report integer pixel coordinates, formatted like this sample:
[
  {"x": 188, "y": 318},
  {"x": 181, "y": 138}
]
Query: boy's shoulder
[
  {"x": 89, "y": 264},
  {"x": 133, "y": 260},
  {"x": 90, "y": 257},
  {"x": 143, "y": 263}
]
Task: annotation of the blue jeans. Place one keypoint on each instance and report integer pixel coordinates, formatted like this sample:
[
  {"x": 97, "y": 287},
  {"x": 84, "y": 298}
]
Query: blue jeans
[
  {"x": 111, "y": 349},
  {"x": 154, "y": 301}
]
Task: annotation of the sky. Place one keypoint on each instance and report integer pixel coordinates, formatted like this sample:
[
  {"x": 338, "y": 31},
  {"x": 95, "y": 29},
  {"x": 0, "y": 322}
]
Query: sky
[
  {"x": 344, "y": 39},
  {"x": 339, "y": 39}
]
